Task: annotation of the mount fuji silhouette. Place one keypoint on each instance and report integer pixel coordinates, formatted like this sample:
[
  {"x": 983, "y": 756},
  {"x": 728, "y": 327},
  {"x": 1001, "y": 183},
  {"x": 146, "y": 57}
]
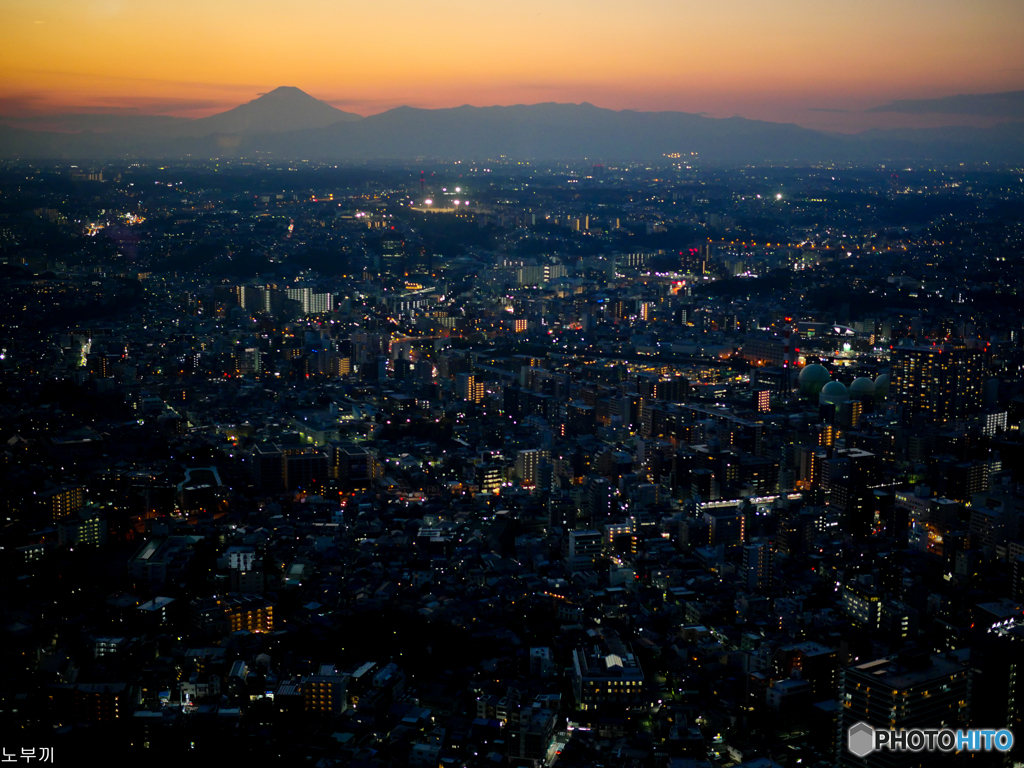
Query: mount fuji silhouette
[{"x": 289, "y": 123}]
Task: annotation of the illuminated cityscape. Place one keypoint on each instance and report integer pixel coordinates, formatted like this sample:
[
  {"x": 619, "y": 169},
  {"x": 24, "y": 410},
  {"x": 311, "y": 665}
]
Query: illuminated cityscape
[
  {"x": 444, "y": 418},
  {"x": 291, "y": 457}
]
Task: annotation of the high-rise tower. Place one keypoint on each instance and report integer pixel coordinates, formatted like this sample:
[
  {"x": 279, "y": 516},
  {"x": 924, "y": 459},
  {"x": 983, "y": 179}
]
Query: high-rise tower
[
  {"x": 914, "y": 689},
  {"x": 940, "y": 383}
]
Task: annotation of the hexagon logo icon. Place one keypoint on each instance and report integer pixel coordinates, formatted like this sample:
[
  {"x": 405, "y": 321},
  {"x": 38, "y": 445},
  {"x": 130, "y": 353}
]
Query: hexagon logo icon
[{"x": 860, "y": 739}]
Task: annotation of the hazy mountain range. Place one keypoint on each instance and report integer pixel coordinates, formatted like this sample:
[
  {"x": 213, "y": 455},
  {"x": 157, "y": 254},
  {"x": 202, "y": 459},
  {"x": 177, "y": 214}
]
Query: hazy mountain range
[
  {"x": 289, "y": 124},
  {"x": 1008, "y": 104}
]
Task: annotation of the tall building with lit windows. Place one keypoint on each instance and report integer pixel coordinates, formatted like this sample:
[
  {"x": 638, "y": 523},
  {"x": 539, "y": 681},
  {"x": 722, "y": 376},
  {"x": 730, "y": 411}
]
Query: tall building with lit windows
[
  {"x": 913, "y": 689},
  {"x": 757, "y": 565},
  {"x": 248, "y": 361},
  {"x": 999, "y": 683},
  {"x": 607, "y": 676},
  {"x": 763, "y": 400},
  {"x": 862, "y": 604},
  {"x": 232, "y": 613},
  {"x": 391, "y": 255},
  {"x": 528, "y": 462},
  {"x": 88, "y": 526},
  {"x": 310, "y": 302},
  {"x": 325, "y": 692},
  {"x": 468, "y": 388},
  {"x": 61, "y": 502},
  {"x": 939, "y": 383},
  {"x": 585, "y": 548},
  {"x": 250, "y": 297}
]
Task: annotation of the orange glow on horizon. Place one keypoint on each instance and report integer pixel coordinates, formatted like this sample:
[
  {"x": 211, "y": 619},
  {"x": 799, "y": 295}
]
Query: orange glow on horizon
[{"x": 777, "y": 61}]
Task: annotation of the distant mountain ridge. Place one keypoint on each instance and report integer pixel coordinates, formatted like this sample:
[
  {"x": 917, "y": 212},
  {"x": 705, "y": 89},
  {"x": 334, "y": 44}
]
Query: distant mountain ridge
[
  {"x": 1007, "y": 104},
  {"x": 283, "y": 109},
  {"x": 288, "y": 123}
]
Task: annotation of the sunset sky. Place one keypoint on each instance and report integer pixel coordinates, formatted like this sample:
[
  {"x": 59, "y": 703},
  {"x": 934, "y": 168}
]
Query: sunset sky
[{"x": 785, "y": 60}]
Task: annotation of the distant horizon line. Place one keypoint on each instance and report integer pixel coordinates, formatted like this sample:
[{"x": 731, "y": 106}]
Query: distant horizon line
[
  {"x": 346, "y": 105},
  {"x": 38, "y": 113}
]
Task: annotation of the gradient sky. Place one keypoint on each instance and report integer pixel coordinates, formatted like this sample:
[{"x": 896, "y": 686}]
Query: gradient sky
[{"x": 783, "y": 60}]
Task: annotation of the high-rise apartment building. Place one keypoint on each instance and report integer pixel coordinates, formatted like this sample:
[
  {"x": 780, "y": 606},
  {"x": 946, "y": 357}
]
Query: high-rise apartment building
[
  {"x": 607, "y": 675},
  {"x": 528, "y": 463},
  {"x": 248, "y": 361},
  {"x": 232, "y": 613},
  {"x": 468, "y": 388},
  {"x": 311, "y": 303},
  {"x": 61, "y": 502},
  {"x": 999, "y": 686},
  {"x": 584, "y": 549},
  {"x": 325, "y": 692},
  {"x": 913, "y": 689},
  {"x": 392, "y": 256},
  {"x": 940, "y": 383},
  {"x": 812, "y": 662},
  {"x": 757, "y": 565}
]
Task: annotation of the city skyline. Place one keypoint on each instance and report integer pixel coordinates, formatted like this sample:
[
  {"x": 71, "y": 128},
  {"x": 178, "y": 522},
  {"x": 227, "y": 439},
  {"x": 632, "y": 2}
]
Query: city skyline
[
  {"x": 792, "y": 62},
  {"x": 299, "y": 465},
  {"x": 549, "y": 385}
]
